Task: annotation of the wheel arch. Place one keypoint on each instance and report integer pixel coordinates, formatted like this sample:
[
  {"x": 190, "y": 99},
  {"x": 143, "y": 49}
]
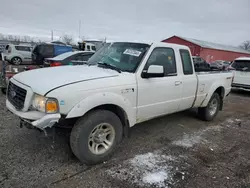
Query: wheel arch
[
  {"x": 215, "y": 89},
  {"x": 106, "y": 101}
]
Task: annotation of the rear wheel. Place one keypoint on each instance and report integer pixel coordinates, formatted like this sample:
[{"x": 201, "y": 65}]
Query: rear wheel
[
  {"x": 209, "y": 112},
  {"x": 95, "y": 136},
  {"x": 16, "y": 60}
]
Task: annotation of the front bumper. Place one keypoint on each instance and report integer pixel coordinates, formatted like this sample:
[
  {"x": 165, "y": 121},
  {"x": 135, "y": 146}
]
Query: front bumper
[{"x": 37, "y": 119}]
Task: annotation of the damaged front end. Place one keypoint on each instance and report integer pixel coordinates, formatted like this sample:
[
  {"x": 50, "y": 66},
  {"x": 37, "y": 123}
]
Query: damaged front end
[{"x": 35, "y": 119}]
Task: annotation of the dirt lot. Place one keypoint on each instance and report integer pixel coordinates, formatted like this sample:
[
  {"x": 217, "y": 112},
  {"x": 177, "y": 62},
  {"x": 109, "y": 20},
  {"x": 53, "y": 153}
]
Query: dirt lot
[{"x": 173, "y": 151}]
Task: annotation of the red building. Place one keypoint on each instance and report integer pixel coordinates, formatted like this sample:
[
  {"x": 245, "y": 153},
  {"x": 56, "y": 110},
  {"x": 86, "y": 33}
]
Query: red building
[{"x": 208, "y": 50}]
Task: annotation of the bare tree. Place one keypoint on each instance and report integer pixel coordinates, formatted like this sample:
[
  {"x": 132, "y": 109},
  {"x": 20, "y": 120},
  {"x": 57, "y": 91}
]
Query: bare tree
[
  {"x": 1, "y": 36},
  {"x": 26, "y": 38},
  {"x": 17, "y": 38},
  {"x": 245, "y": 45},
  {"x": 67, "y": 39},
  {"x": 10, "y": 37}
]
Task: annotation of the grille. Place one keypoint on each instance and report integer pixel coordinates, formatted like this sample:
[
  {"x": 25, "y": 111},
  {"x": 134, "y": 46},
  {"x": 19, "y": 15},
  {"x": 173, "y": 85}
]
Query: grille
[{"x": 16, "y": 95}]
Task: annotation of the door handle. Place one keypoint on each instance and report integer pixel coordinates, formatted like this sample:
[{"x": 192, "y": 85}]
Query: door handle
[{"x": 178, "y": 83}]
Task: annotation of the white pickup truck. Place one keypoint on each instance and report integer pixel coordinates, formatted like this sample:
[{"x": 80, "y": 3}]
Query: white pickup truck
[{"x": 124, "y": 84}]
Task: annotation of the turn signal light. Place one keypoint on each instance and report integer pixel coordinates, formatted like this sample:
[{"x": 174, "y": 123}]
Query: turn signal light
[{"x": 51, "y": 106}]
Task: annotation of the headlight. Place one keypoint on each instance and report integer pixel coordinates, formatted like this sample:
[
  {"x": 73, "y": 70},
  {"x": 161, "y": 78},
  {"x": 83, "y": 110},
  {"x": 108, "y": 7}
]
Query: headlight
[{"x": 44, "y": 104}]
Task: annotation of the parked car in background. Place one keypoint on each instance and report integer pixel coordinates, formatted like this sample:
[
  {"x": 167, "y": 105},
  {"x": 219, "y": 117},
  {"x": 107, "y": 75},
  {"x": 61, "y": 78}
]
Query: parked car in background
[
  {"x": 17, "y": 54},
  {"x": 129, "y": 83},
  {"x": 48, "y": 50},
  {"x": 68, "y": 58},
  {"x": 200, "y": 64},
  {"x": 220, "y": 64},
  {"x": 241, "y": 67}
]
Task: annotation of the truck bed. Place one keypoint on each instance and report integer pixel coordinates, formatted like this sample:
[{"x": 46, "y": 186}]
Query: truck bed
[{"x": 208, "y": 82}]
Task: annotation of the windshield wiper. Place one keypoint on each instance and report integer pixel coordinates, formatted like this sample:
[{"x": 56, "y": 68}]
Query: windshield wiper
[{"x": 110, "y": 66}]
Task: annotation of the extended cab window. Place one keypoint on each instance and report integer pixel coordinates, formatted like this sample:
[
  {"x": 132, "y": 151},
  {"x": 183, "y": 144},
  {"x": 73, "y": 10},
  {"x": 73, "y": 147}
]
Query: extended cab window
[
  {"x": 186, "y": 62},
  {"x": 164, "y": 57}
]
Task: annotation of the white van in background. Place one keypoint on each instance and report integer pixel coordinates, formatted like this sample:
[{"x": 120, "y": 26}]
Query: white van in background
[
  {"x": 85, "y": 46},
  {"x": 16, "y": 54},
  {"x": 241, "y": 67}
]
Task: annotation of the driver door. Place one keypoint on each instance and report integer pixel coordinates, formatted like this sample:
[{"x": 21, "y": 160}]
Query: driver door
[{"x": 160, "y": 95}]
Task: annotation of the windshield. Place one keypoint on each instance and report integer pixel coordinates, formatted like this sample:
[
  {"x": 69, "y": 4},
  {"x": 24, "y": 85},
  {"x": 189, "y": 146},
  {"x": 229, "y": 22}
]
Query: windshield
[
  {"x": 241, "y": 65},
  {"x": 123, "y": 55}
]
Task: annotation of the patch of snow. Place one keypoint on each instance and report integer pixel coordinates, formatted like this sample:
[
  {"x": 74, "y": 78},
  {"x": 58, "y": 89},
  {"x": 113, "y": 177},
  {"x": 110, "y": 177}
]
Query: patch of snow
[
  {"x": 230, "y": 121},
  {"x": 189, "y": 140},
  {"x": 151, "y": 168},
  {"x": 238, "y": 120},
  {"x": 156, "y": 178}
]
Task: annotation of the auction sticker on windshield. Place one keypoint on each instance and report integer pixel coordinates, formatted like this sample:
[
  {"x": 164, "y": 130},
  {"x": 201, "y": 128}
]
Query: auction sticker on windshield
[{"x": 132, "y": 52}]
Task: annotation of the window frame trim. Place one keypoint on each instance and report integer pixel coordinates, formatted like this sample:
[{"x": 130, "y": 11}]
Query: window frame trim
[{"x": 168, "y": 75}]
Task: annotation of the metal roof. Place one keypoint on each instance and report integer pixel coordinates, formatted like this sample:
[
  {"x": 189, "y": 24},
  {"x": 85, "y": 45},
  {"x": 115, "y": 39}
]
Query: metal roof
[
  {"x": 243, "y": 58},
  {"x": 205, "y": 44}
]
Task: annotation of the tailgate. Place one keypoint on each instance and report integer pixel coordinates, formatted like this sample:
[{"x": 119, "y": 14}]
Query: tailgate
[{"x": 242, "y": 77}]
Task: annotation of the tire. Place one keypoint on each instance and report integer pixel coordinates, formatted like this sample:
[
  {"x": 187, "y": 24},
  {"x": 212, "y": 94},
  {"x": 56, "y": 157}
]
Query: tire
[
  {"x": 85, "y": 138},
  {"x": 4, "y": 90},
  {"x": 16, "y": 60},
  {"x": 209, "y": 112}
]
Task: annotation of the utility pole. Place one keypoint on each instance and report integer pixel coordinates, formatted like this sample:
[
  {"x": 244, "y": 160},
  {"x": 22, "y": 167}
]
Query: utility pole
[
  {"x": 80, "y": 23},
  {"x": 52, "y": 35}
]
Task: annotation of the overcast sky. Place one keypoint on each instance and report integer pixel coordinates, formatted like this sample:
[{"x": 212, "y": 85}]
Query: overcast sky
[{"x": 221, "y": 21}]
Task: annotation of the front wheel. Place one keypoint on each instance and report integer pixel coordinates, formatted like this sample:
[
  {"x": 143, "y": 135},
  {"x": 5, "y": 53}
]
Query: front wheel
[
  {"x": 16, "y": 60},
  {"x": 209, "y": 112},
  {"x": 95, "y": 136}
]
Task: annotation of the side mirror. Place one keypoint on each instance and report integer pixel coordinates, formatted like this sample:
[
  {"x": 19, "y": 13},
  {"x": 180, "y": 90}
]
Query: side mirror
[{"x": 153, "y": 71}]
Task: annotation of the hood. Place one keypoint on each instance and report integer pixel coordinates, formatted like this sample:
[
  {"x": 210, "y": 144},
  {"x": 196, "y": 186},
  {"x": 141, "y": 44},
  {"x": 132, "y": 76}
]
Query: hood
[{"x": 45, "y": 79}]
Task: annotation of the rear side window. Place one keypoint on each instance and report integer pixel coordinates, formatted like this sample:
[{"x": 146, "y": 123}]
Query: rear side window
[
  {"x": 241, "y": 65},
  {"x": 23, "y": 48},
  {"x": 93, "y": 48},
  {"x": 47, "y": 50},
  {"x": 88, "y": 47},
  {"x": 186, "y": 62}
]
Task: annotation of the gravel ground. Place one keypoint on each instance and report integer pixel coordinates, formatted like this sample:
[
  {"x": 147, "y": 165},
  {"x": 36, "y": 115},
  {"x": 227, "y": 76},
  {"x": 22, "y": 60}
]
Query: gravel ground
[{"x": 178, "y": 150}]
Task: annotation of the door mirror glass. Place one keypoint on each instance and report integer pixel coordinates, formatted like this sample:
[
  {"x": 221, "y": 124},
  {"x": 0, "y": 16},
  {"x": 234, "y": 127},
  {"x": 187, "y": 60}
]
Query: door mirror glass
[{"x": 153, "y": 71}]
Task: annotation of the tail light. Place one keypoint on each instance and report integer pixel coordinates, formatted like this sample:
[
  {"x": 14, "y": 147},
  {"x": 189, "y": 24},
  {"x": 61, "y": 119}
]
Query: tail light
[
  {"x": 9, "y": 50},
  {"x": 55, "y": 64}
]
